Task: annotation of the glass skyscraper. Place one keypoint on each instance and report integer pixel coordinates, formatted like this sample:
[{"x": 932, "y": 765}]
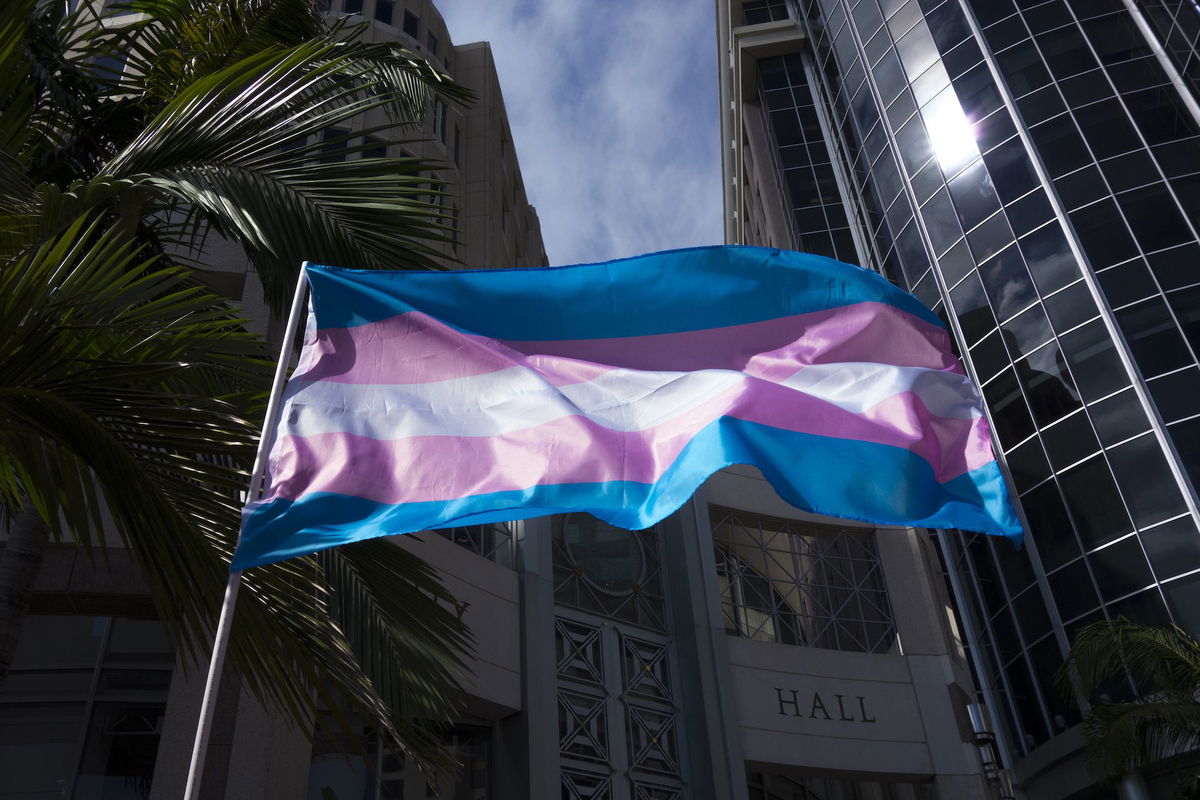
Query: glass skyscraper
[{"x": 1031, "y": 170}]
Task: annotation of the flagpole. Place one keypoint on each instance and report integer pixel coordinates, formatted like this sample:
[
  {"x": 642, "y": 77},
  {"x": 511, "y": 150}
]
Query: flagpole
[{"x": 221, "y": 641}]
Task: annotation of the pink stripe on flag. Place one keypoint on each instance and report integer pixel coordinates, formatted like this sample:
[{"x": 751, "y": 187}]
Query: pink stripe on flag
[
  {"x": 416, "y": 348},
  {"x": 575, "y": 449}
]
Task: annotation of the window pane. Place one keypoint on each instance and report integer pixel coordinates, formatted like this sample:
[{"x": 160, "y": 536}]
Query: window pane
[
  {"x": 1149, "y": 488},
  {"x": 1007, "y": 283},
  {"x": 1050, "y": 525},
  {"x": 384, "y": 9},
  {"x": 1093, "y": 360},
  {"x": 1103, "y": 234},
  {"x": 1183, "y": 596},
  {"x": 1073, "y": 590},
  {"x": 1094, "y": 502},
  {"x": 1177, "y": 396},
  {"x": 1154, "y": 217},
  {"x": 1153, "y": 337},
  {"x": 1060, "y": 145},
  {"x": 971, "y": 308},
  {"x": 1119, "y": 417},
  {"x": 1173, "y": 547},
  {"x": 1081, "y": 187},
  {"x": 1070, "y": 307},
  {"x": 1031, "y": 211},
  {"x": 1026, "y": 332},
  {"x": 1120, "y": 569},
  {"x": 1177, "y": 267},
  {"x": 1028, "y": 464},
  {"x": 973, "y": 195},
  {"x": 1126, "y": 283},
  {"x": 1070, "y": 440},
  {"x": 1009, "y": 413}
]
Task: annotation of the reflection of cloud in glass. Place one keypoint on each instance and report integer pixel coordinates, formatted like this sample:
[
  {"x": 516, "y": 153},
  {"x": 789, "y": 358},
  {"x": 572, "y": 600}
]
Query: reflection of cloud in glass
[{"x": 950, "y": 132}]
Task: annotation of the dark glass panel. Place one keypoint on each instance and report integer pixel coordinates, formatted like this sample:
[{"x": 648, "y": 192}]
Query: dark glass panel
[
  {"x": 1153, "y": 337},
  {"x": 1030, "y": 611},
  {"x": 1008, "y": 645},
  {"x": 1022, "y": 67},
  {"x": 973, "y": 195},
  {"x": 1009, "y": 413},
  {"x": 947, "y": 26},
  {"x": 1028, "y": 464},
  {"x": 1006, "y": 33},
  {"x": 1094, "y": 362},
  {"x": 1048, "y": 386},
  {"x": 1049, "y": 257},
  {"x": 989, "y": 356},
  {"x": 1177, "y": 395},
  {"x": 1066, "y": 52},
  {"x": 1154, "y": 217},
  {"x": 867, "y": 18},
  {"x": 975, "y": 89},
  {"x": 878, "y": 45},
  {"x": 1146, "y": 608},
  {"x": 786, "y": 125},
  {"x": 1119, "y": 417},
  {"x": 1071, "y": 307},
  {"x": 352, "y": 6},
  {"x": 1141, "y": 73},
  {"x": 1026, "y": 332},
  {"x": 990, "y": 237},
  {"x": 1073, "y": 590},
  {"x": 1029, "y": 212},
  {"x": 772, "y": 74},
  {"x": 986, "y": 577},
  {"x": 1025, "y": 699},
  {"x": 818, "y": 243},
  {"x": 1106, "y": 128},
  {"x": 1183, "y": 596},
  {"x": 901, "y": 109},
  {"x": 941, "y": 222},
  {"x": 1146, "y": 481},
  {"x": 1173, "y": 547},
  {"x": 1094, "y": 502},
  {"x": 1046, "y": 17},
  {"x": 1126, "y": 283},
  {"x": 1011, "y": 172},
  {"x": 1041, "y": 105},
  {"x": 1085, "y": 9},
  {"x": 1070, "y": 440},
  {"x": 1050, "y": 525},
  {"x": 1081, "y": 187},
  {"x": 1013, "y": 564},
  {"x": 1085, "y": 88},
  {"x": 1120, "y": 569},
  {"x": 1187, "y": 189},
  {"x": 1160, "y": 115},
  {"x": 1129, "y": 171},
  {"x": 1179, "y": 158},
  {"x": 1103, "y": 234},
  {"x": 926, "y": 290},
  {"x": 927, "y": 181},
  {"x": 971, "y": 308},
  {"x": 997, "y": 127},
  {"x": 956, "y": 263},
  {"x": 1115, "y": 38},
  {"x": 913, "y": 144},
  {"x": 1060, "y": 145},
  {"x": 1007, "y": 283},
  {"x": 1177, "y": 267},
  {"x": 889, "y": 77},
  {"x": 990, "y": 11}
]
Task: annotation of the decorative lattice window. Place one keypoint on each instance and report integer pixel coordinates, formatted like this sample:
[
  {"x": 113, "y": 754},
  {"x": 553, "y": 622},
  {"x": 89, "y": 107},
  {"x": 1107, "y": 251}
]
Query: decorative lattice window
[
  {"x": 801, "y": 583},
  {"x": 495, "y": 541},
  {"x": 608, "y": 571}
]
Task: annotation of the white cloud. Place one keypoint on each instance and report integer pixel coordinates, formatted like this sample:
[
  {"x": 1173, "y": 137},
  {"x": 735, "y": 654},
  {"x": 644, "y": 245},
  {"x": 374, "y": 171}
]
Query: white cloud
[{"x": 613, "y": 110}]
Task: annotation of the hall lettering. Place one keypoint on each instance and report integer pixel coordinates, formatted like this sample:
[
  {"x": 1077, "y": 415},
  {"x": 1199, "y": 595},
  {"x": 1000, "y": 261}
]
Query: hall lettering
[{"x": 813, "y": 706}]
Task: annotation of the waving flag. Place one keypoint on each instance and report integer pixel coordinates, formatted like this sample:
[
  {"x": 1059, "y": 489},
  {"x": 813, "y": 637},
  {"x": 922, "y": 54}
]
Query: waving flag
[{"x": 435, "y": 399}]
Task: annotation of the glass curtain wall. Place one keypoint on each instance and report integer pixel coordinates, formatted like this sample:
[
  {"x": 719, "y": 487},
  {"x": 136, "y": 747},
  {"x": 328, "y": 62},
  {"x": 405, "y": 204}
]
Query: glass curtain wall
[{"x": 1048, "y": 218}]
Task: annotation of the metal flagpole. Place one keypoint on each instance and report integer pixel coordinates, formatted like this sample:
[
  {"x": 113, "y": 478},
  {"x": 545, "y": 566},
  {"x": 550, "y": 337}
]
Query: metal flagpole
[{"x": 221, "y": 640}]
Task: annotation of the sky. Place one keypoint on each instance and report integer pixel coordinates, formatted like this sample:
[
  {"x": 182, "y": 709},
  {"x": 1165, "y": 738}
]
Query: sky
[{"x": 613, "y": 110}]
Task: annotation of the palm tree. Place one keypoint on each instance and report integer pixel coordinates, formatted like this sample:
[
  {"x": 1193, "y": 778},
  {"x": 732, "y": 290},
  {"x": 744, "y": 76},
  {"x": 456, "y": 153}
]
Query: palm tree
[
  {"x": 127, "y": 390},
  {"x": 1164, "y": 663}
]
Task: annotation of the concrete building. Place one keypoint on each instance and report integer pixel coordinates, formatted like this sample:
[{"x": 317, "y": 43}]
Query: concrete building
[{"x": 1029, "y": 169}]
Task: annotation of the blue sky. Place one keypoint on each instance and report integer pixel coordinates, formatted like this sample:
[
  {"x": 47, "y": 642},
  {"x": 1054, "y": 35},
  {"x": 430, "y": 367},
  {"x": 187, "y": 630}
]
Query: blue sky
[{"x": 613, "y": 109}]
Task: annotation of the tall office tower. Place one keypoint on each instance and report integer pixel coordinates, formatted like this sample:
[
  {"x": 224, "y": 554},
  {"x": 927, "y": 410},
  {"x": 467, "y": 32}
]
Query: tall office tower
[{"x": 1030, "y": 170}]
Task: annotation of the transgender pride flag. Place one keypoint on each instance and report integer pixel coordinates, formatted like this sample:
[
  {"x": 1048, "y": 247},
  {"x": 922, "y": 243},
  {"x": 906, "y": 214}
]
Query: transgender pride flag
[{"x": 434, "y": 399}]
